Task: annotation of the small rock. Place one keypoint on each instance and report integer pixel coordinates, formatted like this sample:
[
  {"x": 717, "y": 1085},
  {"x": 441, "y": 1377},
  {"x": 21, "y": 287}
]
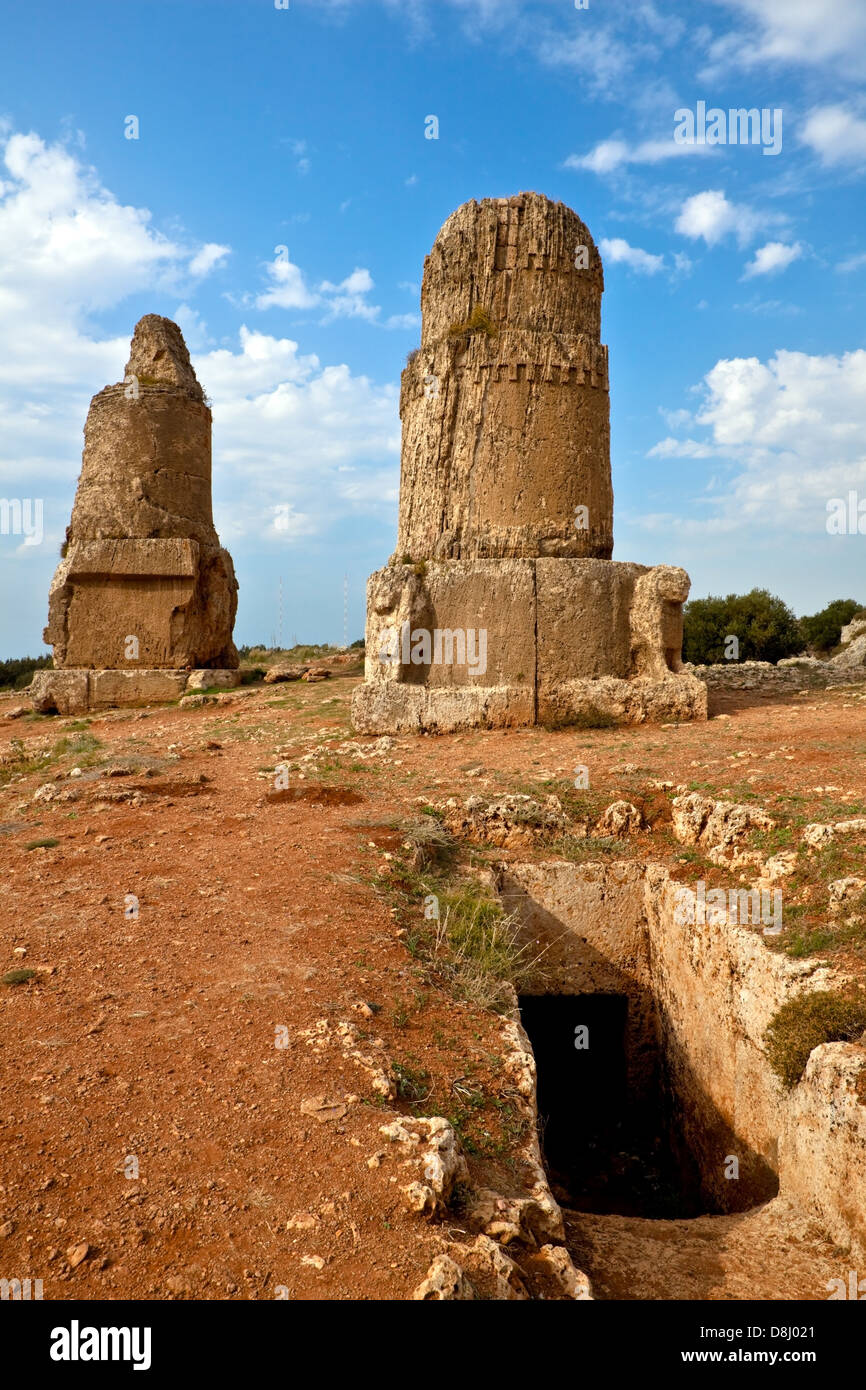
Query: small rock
[
  {"x": 323, "y": 1109},
  {"x": 76, "y": 1254},
  {"x": 444, "y": 1280},
  {"x": 315, "y": 1260},
  {"x": 621, "y": 818}
]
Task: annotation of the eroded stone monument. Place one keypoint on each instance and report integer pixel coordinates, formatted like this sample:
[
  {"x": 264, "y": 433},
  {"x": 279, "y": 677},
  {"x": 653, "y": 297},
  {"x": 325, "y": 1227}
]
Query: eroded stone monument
[
  {"x": 501, "y": 604},
  {"x": 144, "y": 594}
]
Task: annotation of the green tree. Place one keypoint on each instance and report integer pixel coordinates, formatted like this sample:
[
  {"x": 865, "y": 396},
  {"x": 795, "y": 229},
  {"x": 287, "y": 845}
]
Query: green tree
[
  {"x": 822, "y": 631},
  {"x": 765, "y": 628},
  {"x": 18, "y": 672}
]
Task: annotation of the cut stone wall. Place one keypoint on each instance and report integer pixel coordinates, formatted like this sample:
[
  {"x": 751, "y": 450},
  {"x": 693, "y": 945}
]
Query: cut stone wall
[{"x": 712, "y": 990}]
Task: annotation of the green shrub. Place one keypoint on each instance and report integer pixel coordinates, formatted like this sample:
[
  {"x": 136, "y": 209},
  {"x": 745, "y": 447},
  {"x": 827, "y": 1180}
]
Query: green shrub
[
  {"x": 764, "y": 625},
  {"x": 17, "y": 977},
  {"x": 802, "y": 1024},
  {"x": 823, "y": 631}
]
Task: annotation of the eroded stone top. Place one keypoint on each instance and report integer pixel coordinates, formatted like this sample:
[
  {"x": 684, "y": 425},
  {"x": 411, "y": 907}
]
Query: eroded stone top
[
  {"x": 160, "y": 357},
  {"x": 527, "y": 261}
]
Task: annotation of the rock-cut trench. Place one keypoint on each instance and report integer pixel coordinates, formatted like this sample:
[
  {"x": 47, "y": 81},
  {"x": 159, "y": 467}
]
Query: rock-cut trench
[{"x": 677, "y": 1157}]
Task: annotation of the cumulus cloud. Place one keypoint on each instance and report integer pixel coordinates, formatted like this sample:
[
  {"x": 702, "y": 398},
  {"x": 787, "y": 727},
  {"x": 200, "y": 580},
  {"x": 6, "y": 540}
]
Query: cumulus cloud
[
  {"x": 343, "y": 431},
  {"x": 208, "y": 258},
  {"x": 836, "y": 134},
  {"x": 711, "y": 217},
  {"x": 289, "y": 430},
  {"x": 618, "y": 252},
  {"x": 772, "y": 258},
  {"x": 793, "y": 32},
  {"x": 791, "y": 428},
  {"x": 289, "y": 289},
  {"x": 597, "y": 54},
  {"x": 347, "y": 299}
]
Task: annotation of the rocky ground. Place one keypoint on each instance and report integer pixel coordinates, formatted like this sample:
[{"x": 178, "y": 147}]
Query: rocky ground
[{"x": 221, "y": 984}]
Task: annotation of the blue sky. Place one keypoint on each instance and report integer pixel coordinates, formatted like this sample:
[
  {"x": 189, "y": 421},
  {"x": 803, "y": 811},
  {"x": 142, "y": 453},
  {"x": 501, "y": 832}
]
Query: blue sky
[{"x": 735, "y": 280}]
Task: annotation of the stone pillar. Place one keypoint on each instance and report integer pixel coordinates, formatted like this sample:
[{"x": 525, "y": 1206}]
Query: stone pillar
[
  {"x": 501, "y": 605},
  {"x": 144, "y": 584},
  {"x": 505, "y": 407}
]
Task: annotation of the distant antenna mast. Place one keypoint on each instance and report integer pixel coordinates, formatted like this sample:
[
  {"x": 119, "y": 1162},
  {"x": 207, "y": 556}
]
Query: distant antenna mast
[
  {"x": 345, "y": 610},
  {"x": 280, "y": 639}
]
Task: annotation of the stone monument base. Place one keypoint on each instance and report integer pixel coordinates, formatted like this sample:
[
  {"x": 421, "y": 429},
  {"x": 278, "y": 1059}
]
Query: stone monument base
[
  {"x": 388, "y": 708},
  {"x": 77, "y": 691},
  {"x": 458, "y": 644}
]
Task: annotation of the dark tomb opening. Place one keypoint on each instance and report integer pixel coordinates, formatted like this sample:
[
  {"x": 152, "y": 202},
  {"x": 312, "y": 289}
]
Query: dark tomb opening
[{"x": 605, "y": 1150}]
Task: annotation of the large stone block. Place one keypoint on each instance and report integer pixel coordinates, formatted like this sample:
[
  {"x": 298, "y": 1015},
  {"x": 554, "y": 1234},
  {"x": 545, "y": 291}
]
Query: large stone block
[
  {"x": 61, "y": 692},
  {"x": 557, "y": 640},
  {"x": 112, "y": 689},
  {"x": 584, "y": 622},
  {"x": 459, "y": 623}
]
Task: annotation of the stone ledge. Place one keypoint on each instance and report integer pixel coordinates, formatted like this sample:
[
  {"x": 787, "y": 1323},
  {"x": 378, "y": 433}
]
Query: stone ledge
[
  {"x": 609, "y": 700},
  {"x": 386, "y": 707},
  {"x": 76, "y": 691}
]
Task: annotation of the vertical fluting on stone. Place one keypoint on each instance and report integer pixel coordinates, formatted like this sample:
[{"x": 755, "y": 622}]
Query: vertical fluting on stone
[
  {"x": 505, "y": 406},
  {"x": 142, "y": 558}
]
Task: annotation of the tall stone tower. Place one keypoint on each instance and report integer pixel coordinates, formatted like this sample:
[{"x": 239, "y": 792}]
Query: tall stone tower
[
  {"x": 144, "y": 587},
  {"x": 505, "y": 406},
  {"x": 501, "y": 604}
]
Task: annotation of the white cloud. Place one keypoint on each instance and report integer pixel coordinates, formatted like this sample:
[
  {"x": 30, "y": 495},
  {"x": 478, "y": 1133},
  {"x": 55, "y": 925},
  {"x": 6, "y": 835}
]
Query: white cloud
[
  {"x": 348, "y": 299},
  {"x": 66, "y": 242},
  {"x": 792, "y": 428},
  {"x": 210, "y": 255},
  {"x": 836, "y": 134},
  {"x": 772, "y": 258},
  {"x": 619, "y": 252},
  {"x": 675, "y": 419},
  {"x": 608, "y": 155},
  {"x": 681, "y": 449},
  {"x": 344, "y": 432},
  {"x": 193, "y": 327},
  {"x": 801, "y": 32},
  {"x": 68, "y": 250},
  {"x": 596, "y": 53},
  {"x": 299, "y": 150},
  {"x": 403, "y": 321},
  {"x": 852, "y": 263},
  {"x": 289, "y": 290},
  {"x": 710, "y": 216}
]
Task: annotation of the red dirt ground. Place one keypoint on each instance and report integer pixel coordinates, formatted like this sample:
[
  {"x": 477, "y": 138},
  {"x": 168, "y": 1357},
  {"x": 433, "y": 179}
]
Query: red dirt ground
[{"x": 152, "y": 1037}]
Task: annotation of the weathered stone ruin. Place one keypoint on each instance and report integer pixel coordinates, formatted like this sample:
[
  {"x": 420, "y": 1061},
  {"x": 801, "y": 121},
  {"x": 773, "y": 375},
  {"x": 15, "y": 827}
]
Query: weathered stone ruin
[
  {"x": 144, "y": 593},
  {"x": 501, "y": 604}
]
